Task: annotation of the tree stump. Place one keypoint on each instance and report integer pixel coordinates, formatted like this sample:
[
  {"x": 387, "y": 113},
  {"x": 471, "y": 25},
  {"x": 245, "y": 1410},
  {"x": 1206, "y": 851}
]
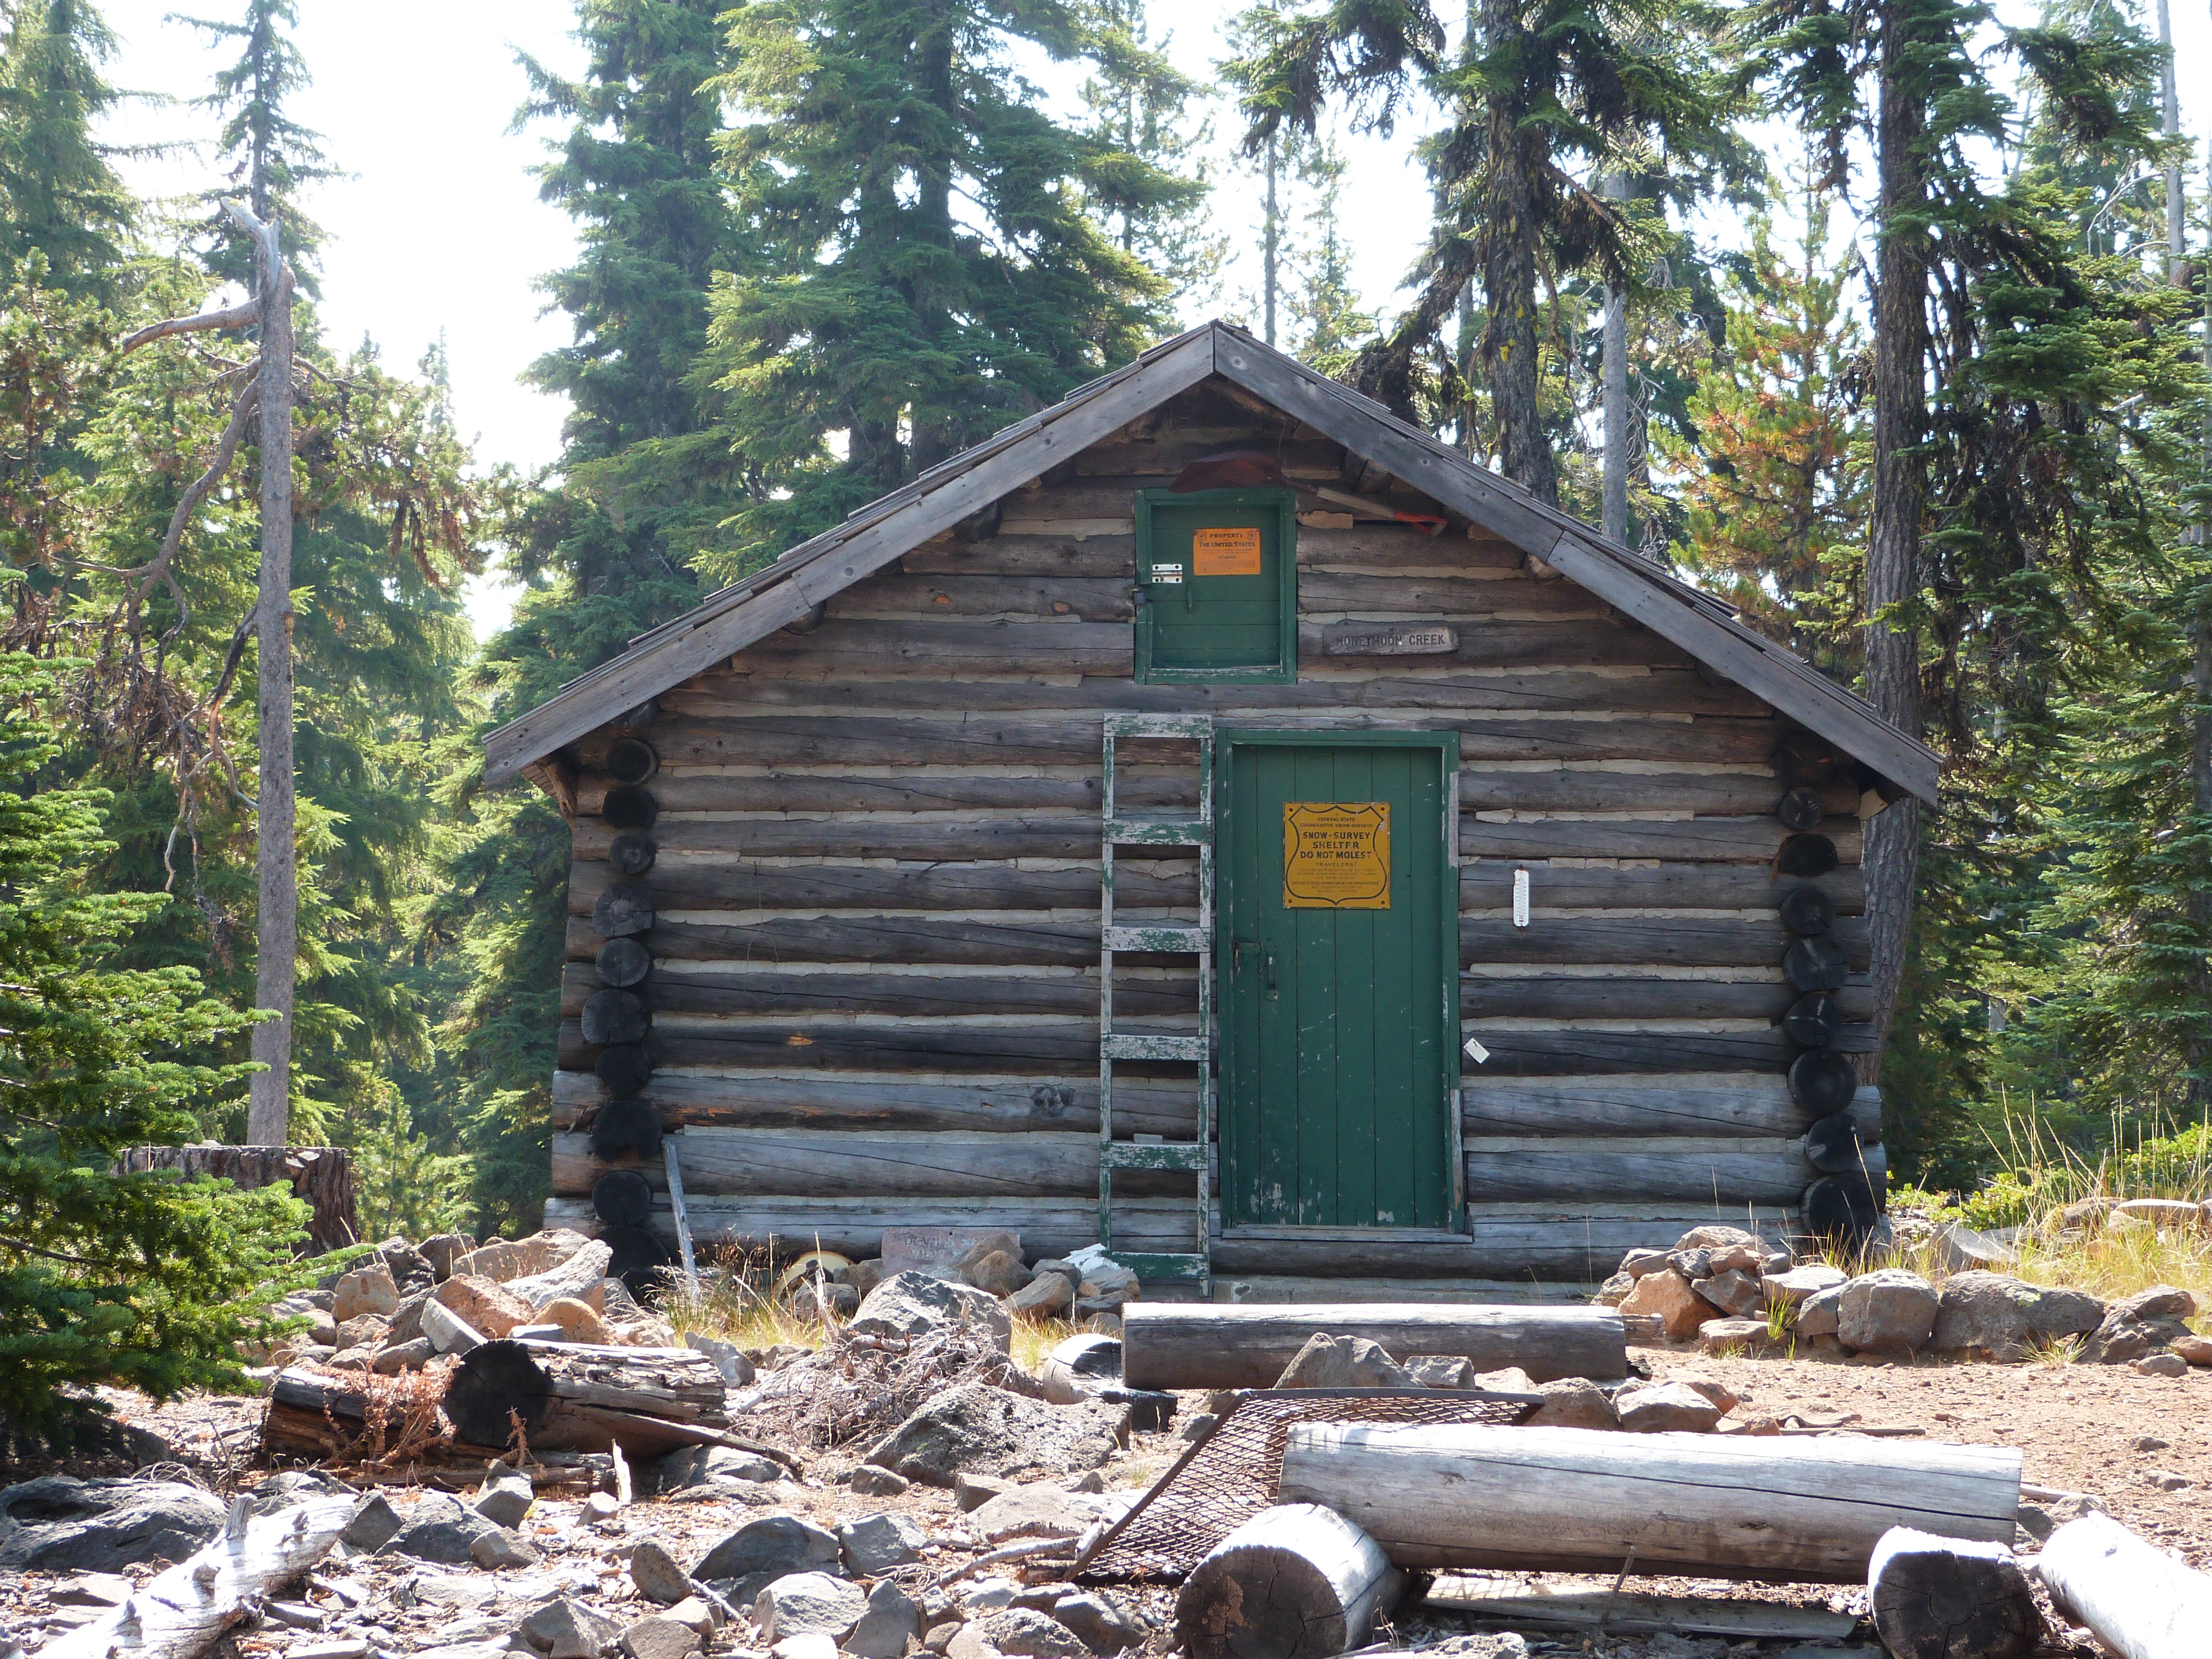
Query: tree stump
[
  {"x": 1939, "y": 1598},
  {"x": 322, "y": 1177},
  {"x": 1296, "y": 1582}
]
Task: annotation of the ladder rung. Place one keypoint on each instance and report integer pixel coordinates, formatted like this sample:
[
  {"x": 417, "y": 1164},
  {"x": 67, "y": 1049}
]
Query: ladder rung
[
  {"x": 1152, "y": 1155},
  {"x": 1160, "y": 726},
  {"x": 1164, "y": 832},
  {"x": 1132, "y": 1045},
  {"x": 1152, "y": 1267},
  {"x": 1188, "y": 941}
]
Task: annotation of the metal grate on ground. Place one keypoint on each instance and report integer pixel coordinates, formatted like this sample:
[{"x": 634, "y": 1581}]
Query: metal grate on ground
[{"x": 1232, "y": 1472}]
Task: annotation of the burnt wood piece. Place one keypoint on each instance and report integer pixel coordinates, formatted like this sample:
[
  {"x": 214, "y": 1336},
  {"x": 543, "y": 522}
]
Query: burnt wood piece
[
  {"x": 322, "y": 1177},
  {"x": 631, "y": 761},
  {"x": 585, "y": 1397},
  {"x": 621, "y": 912},
  {"x": 625, "y": 1068},
  {"x": 1822, "y": 1081},
  {"x": 1832, "y": 1145},
  {"x": 1802, "y": 758},
  {"x": 638, "y": 1258},
  {"x": 1806, "y": 855},
  {"x": 626, "y": 1128},
  {"x": 1819, "y": 964},
  {"x": 1841, "y": 1208},
  {"x": 1295, "y": 1582},
  {"x": 1801, "y": 809},
  {"x": 629, "y": 809},
  {"x": 1816, "y": 1019},
  {"x": 613, "y": 1016},
  {"x": 632, "y": 853},
  {"x": 623, "y": 964},
  {"x": 1944, "y": 1598},
  {"x": 621, "y": 1197},
  {"x": 1808, "y": 910}
]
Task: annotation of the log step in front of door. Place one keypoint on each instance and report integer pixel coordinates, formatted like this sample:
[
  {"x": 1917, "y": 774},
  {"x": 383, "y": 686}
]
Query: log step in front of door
[{"x": 1178, "y": 1345}]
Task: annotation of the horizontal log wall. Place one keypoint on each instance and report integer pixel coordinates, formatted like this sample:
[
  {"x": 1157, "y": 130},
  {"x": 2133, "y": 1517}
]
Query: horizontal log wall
[{"x": 875, "y": 896}]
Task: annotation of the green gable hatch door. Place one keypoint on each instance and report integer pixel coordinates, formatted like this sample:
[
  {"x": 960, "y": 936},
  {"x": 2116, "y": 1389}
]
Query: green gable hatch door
[
  {"x": 1338, "y": 949},
  {"x": 1217, "y": 585}
]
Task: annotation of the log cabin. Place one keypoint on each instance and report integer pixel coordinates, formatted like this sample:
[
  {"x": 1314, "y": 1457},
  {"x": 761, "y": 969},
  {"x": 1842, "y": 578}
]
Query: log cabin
[{"x": 1212, "y": 817}]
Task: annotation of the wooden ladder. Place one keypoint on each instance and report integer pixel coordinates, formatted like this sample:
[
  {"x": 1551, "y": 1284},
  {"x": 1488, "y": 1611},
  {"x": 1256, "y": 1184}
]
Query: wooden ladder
[{"x": 1196, "y": 1266}]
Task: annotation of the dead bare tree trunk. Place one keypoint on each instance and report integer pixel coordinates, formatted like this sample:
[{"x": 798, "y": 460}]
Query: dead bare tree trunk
[
  {"x": 268, "y": 1118},
  {"x": 1615, "y": 368}
]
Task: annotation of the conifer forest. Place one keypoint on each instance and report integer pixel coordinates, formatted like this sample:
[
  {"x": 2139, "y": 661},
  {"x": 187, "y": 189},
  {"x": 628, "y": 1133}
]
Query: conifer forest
[{"x": 1888, "y": 322}]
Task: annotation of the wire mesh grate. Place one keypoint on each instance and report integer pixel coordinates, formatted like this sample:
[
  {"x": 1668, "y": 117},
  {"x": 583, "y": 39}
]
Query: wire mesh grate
[{"x": 1232, "y": 1474}]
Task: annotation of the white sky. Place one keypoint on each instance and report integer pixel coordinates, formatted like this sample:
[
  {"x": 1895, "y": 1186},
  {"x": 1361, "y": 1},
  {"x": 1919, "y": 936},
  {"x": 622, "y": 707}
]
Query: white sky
[{"x": 439, "y": 226}]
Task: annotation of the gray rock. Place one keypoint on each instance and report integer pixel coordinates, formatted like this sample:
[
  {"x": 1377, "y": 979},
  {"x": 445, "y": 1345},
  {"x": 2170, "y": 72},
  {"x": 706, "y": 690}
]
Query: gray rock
[
  {"x": 893, "y": 1621},
  {"x": 2004, "y": 1318},
  {"x": 1102, "y": 1624},
  {"x": 999, "y": 1272},
  {"x": 824, "y": 1301},
  {"x": 2145, "y": 1323},
  {"x": 1693, "y": 1264},
  {"x": 1197, "y": 1425},
  {"x": 499, "y": 1547},
  {"x": 505, "y": 1497},
  {"x": 971, "y": 1491},
  {"x": 1440, "y": 1370},
  {"x": 916, "y": 1304},
  {"x": 91, "y": 1589},
  {"x": 410, "y": 1269},
  {"x": 439, "y": 1249},
  {"x": 988, "y": 1430},
  {"x": 1732, "y": 1291},
  {"x": 874, "y": 1544},
  {"x": 2162, "y": 1364},
  {"x": 59, "y": 1525},
  {"x": 869, "y": 1482},
  {"x": 657, "y": 1576},
  {"x": 1637, "y": 1263},
  {"x": 1665, "y": 1408},
  {"x": 1046, "y": 1296},
  {"x": 1793, "y": 1286},
  {"x": 730, "y": 1359},
  {"x": 390, "y": 1360},
  {"x": 1343, "y": 1362},
  {"x": 374, "y": 1523},
  {"x": 654, "y": 1637},
  {"x": 439, "y": 1530},
  {"x": 369, "y": 1289},
  {"x": 406, "y": 1322},
  {"x": 774, "y": 1543},
  {"x": 1889, "y": 1312},
  {"x": 809, "y": 1604},
  {"x": 1818, "y": 1314},
  {"x": 1030, "y": 1634},
  {"x": 566, "y": 1629},
  {"x": 696, "y": 1613},
  {"x": 1037, "y": 1511},
  {"x": 1573, "y": 1402}
]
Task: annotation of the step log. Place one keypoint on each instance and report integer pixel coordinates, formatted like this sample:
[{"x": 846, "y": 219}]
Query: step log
[
  {"x": 1209, "y": 1346},
  {"x": 2139, "y": 1601},
  {"x": 1295, "y": 1582},
  {"x": 1943, "y": 1598}
]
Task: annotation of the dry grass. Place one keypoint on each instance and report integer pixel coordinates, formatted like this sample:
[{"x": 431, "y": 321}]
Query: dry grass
[{"x": 1035, "y": 1340}]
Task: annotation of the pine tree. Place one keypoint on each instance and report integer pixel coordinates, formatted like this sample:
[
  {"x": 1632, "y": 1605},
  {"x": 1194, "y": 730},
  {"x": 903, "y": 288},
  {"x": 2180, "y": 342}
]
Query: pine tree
[
  {"x": 1138, "y": 104},
  {"x": 135, "y": 1280},
  {"x": 1329, "y": 328},
  {"x": 60, "y": 196},
  {"x": 869, "y": 311}
]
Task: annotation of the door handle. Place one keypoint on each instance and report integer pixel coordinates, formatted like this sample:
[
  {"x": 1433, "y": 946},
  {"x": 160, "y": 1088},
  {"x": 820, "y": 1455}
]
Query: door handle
[{"x": 1271, "y": 973}]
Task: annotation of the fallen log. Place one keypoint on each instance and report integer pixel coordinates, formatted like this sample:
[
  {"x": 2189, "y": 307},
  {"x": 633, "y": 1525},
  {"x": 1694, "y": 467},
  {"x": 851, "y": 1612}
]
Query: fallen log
[
  {"x": 1943, "y": 1598},
  {"x": 1197, "y": 1345},
  {"x": 1581, "y": 1500},
  {"x": 1296, "y": 1582},
  {"x": 577, "y": 1396},
  {"x": 1638, "y": 1615},
  {"x": 2138, "y": 1601},
  {"x": 180, "y": 1613}
]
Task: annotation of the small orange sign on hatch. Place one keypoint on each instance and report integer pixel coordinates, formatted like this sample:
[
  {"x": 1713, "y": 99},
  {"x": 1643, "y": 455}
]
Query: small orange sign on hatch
[{"x": 1225, "y": 552}]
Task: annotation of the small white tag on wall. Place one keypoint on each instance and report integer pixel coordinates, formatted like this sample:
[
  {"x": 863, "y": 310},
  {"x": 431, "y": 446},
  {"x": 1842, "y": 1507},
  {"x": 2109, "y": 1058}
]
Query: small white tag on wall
[
  {"x": 1474, "y": 1051},
  {"x": 1521, "y": 898}
]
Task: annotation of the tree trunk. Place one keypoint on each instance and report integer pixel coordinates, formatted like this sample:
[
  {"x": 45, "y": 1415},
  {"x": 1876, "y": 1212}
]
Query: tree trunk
[
  {"x": 268, "y": 1122},
  {"x": 1936, "y": 1598},
  {"x": 321, "y": 1176},
  {"x": 1587, "y": 1500},
  {"x": 1893, "y": 561},
  {"x": 1270, "y": 249},
  {"x": 2200, "y": 757},
  {"x": 1510, "y": 354},
  {"x": 1199, "y": 1345},
  {"x": 1296, "y": 1582},
  {"x": 1615, "y": 514},
  {"x": 2139, "y": 1601}
]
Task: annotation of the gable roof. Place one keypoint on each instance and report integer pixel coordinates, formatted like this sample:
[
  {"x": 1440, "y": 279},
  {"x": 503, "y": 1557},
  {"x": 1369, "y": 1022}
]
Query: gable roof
[{"x": 815, "y": 570}]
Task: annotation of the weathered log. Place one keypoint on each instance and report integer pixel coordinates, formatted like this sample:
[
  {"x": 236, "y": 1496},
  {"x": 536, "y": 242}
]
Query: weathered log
[
  {"x": 621, "y": 911},
  {"x": 632, "y": 853},
  {"x": 1751, "y": 941},
  {"x": 1625, "y": 997},
  {"x": 1659, "y": 1103},
  {"x": 2138, "y": 1601},
  {"x": 1832, "y": 1144},
  {"x": 1042, "y": 1042},
  {"x": 1819, "y": 964},
  {"x": 625, "y": 1068},
  {"x": 1580, "y": 1500},
  {"x": 1208, "y": 1346},
  {"x": 1570, "y": 788},
  {"x": 1576, "y": 1051},
  {"x": 627, "y": 808},
  {"x": 582, "y": 1397},
  {"x": 321, "y": 1176},
  {"x": 1945, "y": 1598},
  {"x": 1806, "y": 908},
  {"x": 181, "y": 1612},
  {"x": 614, "y": 1016},
  {"x": 627, "y": 1128},
  {"x": 621, "y": 1197},
  {"x": 1808, "y": 856},
  {"x": 630, "y": 760},
  {"x": 1487, "y": 884},
  {"x": 855, "y": 1226},
  {"x": 1045, "y": 942},
  {"x": 1842, "y": 1207},
  {"x": 1799, "y": 808},
  {"x": 1295, "y": 1582},
  {"x": 1736, "y": 838},
  {"x": 1822, "y": 1081},
  {"x": 623, "y": 963},
  {"x": 1816, "y": 1019},
  {"x": 1735, "y": 1171},
  {"x": 690, "y": 991}
]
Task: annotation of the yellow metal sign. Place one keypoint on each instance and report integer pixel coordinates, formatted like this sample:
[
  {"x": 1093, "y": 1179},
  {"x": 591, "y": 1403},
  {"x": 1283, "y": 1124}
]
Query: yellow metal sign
[
  {"x": 1225, "y": 552},
  {"x": 1336, "y": 855}
]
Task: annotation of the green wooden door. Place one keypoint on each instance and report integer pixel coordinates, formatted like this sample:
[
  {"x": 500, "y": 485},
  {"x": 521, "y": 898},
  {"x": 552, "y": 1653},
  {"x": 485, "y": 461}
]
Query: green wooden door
[{"x": 1340, "y": 1052}]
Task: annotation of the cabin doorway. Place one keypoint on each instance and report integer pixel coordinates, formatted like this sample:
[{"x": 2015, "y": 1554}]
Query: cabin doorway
[{"x": 1337, "y": 952}]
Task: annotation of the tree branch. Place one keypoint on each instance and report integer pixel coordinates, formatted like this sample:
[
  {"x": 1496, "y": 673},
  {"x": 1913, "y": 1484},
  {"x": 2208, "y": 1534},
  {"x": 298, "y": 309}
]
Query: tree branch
[
  {"x": 17, "y": 1244},
  {"x": 158, "y": 569},
  {"x": 239, "y": 316}
]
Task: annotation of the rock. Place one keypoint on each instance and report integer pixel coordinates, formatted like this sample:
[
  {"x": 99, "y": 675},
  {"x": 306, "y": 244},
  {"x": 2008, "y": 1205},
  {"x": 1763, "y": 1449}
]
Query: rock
[
  {"x": 92, "y": 1590},
  {"x": 869, "y": 1482},
  {"x": 499, "y": 1548},
  {"x": 505, "y": 1497},
  {"x": 972, "y": 1492},
  {"x": 990, "y": 1432},
  {"x": 2162, "y": 1364},
  {"x": 697, "y": 1614},
  {"x": 774, "y": 1543},
  {"x": 1819, "y": 1313},
  {"x": 1100, "y": 1623},
  {"x": 2165, "y": 1480},
  {"x": 566, "y": 1629},
  {"x": 601, "y": 1506},
  {"x": 893, "y": 1620},
  {"x": 1440, "y": 1370},
  {"x": 407, "y": 1357},
  {"x": 1342, "y": 1362},
  {"x": 874, "y": 1544},
  {"x": 1692, "y": 1265},
  {"x": 989, "y": 1596},
  {"x": 578, "y": 1321},
  {"x": 1047, "y": 1295},
  {"x": 369, "y": 1289},
  {"x": 441, "y": 1249},
  {"x": 812, "y": 1645},
  {"x": 1733, "y": 1292},
  {"x": 1637, "y": 1263},
  {"x": 1665, "y": 1408},
  {"x": 1667, "y": 1295},
  {"x": 1506, "y": 1379},
  {"x": 2148, "y": 1320},
  {"x": 1724, "y": 1336},
  {"x": 1715, "y": 1237},
  {"x": 735, "y": 1463},
  {"x": 1573, "y": 1402},
  {"x": 966, "y": 1642},
  {"x": 440, "y": 1530},
  {"x": 2005, "y": 1318},
  {"x": 351, "y": 1359},
  {"x": 2195, "y": 1350},
  {"x": 507, "y": 1259},
  {"x": 729, "y": 1358},
  {"x": 1611, "y": 1292},
  {"x": 1725, "y": 1398},
  {"x": 576, "y": 1279},
  {"x": 2167, "y": 1214},
  {"x": 1890, "y": 1311},
  {"x": 809, "y": 1604},
  {"x": 1098, "y": 1324},
  {"x": 406, "y": 1322},
  {"x": 862, "y": 1276},
  {"x": 657, "y": 1576},
  {"x": 1197, "y": 1425},
  {"x": 362, "y": 1331},
  {"x": 1958, "y": 1248},
  {"x": 374, "y": 1522},
  {"x": 1748, "y": 1258},
  {"x": 997, "y": 1273},
  {"x": 1033, "y": 1635},
  {"x": 1793, "y": 1288},
  {"x": 447, "y": 1331},
  {"x": 914, "y": 1303},
  {"x": 56, "y": 1524},
  {"x": 1039, "y": 1512},
  {"x": 653, "y": 1638},
  {"x": 485, "y": 1306}
]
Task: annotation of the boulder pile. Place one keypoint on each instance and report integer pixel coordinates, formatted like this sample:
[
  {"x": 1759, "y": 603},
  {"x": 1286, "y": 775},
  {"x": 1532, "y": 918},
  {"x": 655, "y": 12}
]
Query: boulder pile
[{"x": 1731, "y": 1292}]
